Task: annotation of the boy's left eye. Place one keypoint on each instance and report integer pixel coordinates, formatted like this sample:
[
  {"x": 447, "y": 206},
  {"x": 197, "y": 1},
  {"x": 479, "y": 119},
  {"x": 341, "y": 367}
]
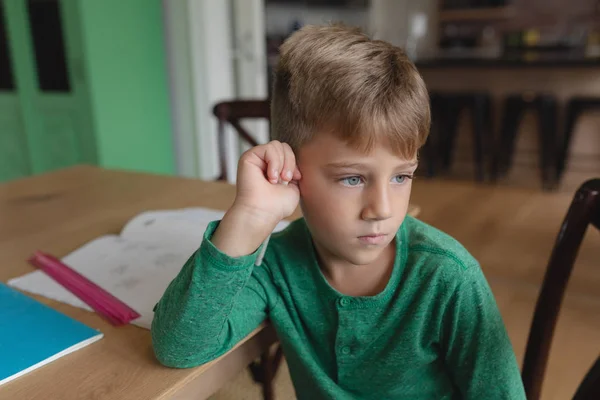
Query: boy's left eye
[{"x": 400, "y": 178}]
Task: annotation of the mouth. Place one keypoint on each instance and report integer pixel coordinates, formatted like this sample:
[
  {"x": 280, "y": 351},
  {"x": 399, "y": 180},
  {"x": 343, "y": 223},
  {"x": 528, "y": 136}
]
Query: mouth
[{"x": 373, "y": 239}]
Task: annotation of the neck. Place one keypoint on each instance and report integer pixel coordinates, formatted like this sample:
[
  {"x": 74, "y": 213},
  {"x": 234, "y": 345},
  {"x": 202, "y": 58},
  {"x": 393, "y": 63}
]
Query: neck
[{"x": 358, "y": 280}]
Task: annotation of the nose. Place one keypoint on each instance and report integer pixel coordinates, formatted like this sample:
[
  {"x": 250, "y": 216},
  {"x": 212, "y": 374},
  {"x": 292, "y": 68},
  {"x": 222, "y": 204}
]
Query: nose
[{"x": 378, "y": 204}]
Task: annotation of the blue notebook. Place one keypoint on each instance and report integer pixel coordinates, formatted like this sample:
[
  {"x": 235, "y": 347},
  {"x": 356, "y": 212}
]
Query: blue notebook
[{"x": 33, "y": 334}]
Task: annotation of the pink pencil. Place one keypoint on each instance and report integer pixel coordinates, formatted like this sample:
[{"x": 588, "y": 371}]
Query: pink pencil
[{"x": 105, "y": 304}]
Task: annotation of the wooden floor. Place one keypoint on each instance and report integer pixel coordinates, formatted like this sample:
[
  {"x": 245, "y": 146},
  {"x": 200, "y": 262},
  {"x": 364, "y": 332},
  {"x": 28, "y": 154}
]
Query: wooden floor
[{"x": 512, "y": 237}]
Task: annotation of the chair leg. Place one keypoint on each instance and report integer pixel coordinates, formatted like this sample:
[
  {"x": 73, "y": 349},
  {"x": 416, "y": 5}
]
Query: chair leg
[
  {"x": 267, "y": 384},
  {"x": 451, "y": 114},
  {"x": 264, "y": 371},
  {"x": 429, "y": 153},
  {"x": 431, "y": 146},
  {"x": 513, "y": 112},
  {"x": 479, "y": 115},
  {"x": 490, "y": 138},
  {"x": 547, "y": 119},
  {"x": 572, "y": 113},
  {"x": 222, "y": 150}
]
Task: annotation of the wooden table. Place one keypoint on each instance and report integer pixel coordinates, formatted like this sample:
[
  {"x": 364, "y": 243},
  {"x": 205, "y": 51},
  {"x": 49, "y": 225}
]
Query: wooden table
[
  {"x": 511, "y": 232},
  {"x": 60, "y": 211}
]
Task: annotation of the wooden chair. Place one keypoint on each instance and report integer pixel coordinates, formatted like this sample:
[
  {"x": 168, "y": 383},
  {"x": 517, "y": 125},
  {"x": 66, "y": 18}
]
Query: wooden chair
[
  {"x": 584, "y": 210},
  {"x": 231, "y": 112}
]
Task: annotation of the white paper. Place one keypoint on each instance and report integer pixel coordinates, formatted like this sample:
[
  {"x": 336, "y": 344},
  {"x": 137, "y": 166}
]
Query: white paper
[
  {"x": 171, "y": 226},
  {"x": 137, "y": 266}
]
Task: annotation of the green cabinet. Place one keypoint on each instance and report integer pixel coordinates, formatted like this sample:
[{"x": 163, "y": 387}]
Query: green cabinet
[{"x": 83, "y": 81}]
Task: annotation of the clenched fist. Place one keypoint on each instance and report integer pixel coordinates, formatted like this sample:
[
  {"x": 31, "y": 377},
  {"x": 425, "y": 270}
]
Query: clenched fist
[
  {"x": 262, "y": 181},
  {"x": 263, "y": 198}
]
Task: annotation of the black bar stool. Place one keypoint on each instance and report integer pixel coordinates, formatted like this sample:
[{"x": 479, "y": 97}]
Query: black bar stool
[
  {"x": 576, "y": 106},
  {"x": 431, "y": 149},
  {"x": 479, "y": 104},
  {"x": 515, "y": 106}
]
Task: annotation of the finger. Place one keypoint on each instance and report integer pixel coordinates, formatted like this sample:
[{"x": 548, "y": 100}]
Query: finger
[
  {"x": 289, "y": 163},
  {"x": 279, "y": 146},
  {"x": 297, "y": 175},
  {"x": 254, "y": 156},
  {"x": 274, "y": 159}
]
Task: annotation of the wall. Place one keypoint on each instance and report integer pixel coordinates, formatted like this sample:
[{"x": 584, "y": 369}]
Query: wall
[
  {"x": 125, "y": 62},
  {"x": 556, "y": 20},
  {"x": 556, "y": 13},
  {"x": 389, "y": 20},
  {"x": 394, "y": 21},
  {"x": 280, "y": 17},
  {"x": 177, "y": 42}
]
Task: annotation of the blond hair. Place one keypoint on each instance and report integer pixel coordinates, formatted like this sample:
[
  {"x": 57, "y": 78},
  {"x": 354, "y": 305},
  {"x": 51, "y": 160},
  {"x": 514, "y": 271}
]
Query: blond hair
[{"x": 335, "y": 78}]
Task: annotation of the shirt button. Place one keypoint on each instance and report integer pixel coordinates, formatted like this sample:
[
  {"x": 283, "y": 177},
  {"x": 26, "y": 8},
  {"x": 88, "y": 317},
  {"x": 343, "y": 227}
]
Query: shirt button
[
  {"x": 344, "y": 302},
  {"x": 345, "y": 350}
]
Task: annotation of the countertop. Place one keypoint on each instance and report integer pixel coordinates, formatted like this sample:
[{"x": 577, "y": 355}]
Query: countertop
[{"x": 520, "y": 61}]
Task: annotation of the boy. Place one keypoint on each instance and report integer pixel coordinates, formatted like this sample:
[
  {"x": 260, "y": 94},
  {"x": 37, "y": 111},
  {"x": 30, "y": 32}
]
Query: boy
[{"x": 367, "y": 302}]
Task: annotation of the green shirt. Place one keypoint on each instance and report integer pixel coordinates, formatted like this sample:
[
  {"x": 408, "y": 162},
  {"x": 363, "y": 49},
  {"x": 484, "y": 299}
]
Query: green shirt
[{"x": 434, "y": 332}]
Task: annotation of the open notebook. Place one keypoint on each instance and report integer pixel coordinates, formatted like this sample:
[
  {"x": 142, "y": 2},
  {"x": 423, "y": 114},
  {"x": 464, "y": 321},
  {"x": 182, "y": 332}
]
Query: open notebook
[
  {"x": 135, "y": 266},
  {"x": 33, "y": 334}
]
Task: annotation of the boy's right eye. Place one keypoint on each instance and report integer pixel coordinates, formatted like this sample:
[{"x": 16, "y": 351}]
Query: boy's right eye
[{"x": 351, "y": 181}]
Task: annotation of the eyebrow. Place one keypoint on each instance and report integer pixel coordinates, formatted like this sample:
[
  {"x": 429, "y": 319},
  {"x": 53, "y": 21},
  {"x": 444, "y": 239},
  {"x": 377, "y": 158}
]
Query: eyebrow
[{"x": 350, "y": 165}]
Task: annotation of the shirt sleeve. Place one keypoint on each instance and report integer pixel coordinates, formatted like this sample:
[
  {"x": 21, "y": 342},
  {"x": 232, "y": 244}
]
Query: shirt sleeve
[
  {"x": 213, "y": 303},
  {"x": 478, "y": 351}
]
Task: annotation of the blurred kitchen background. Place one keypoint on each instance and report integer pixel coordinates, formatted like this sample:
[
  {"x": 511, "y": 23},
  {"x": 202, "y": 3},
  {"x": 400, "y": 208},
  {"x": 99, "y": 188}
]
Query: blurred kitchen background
[
  {"x": 152, "y": 86},
  {"x": 515, "y": 84}
]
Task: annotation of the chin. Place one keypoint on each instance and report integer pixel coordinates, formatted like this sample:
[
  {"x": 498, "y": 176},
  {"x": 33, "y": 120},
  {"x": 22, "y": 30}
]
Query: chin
[{"x": 362, "y": 257}]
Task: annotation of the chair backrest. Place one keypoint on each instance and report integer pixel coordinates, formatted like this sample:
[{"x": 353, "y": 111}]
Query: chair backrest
[
  {"x": 232, "y": 112},
  {"x": 590, "y": 386},
  {"x": 583, "y": 211}
]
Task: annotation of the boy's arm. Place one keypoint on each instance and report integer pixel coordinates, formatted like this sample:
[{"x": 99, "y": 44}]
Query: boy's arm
[
  {"x": 213, "y": 303},
  {"x": 217, "y": 299},
  {"x": 478, "y": 351}
]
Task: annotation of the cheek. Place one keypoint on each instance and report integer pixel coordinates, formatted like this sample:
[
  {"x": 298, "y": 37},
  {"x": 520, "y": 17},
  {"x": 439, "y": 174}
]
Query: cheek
[
  {"x": 321, "y": 202},
  {"x": 403, "y": 197}
]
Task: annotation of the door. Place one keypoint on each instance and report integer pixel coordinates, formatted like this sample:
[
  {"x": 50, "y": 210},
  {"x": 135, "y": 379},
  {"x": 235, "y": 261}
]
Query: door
[
  {"x": 14, "y": 157},
  {"x": 49, "y": 75}
]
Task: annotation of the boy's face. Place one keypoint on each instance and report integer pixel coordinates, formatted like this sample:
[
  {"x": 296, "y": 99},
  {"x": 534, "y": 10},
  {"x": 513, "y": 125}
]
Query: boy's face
[{"x": 353, "y": 202}]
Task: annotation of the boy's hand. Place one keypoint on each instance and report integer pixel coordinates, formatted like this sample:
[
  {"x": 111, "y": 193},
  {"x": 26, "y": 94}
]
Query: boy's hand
[
  {"x": 263, "y": 173},
  {"x": 263, "y": 198}
]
